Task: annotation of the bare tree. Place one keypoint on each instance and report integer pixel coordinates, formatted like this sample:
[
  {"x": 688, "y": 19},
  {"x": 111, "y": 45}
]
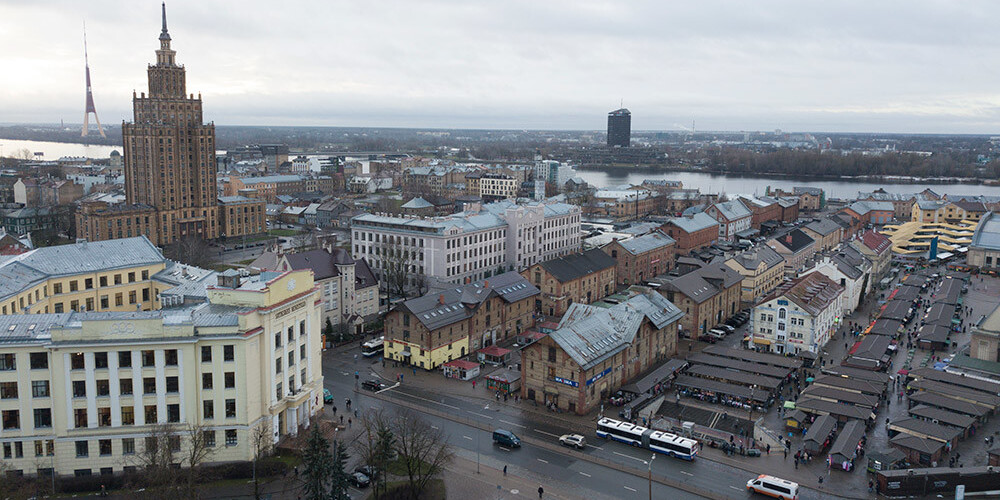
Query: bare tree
[
  {"x": 200, "y": 447},
  {"x": 156, "y": 459},
  {"x": 190, "y": 249},
  {"x": 261, "y": 442},
  {"x": 11, "y": 487},
  {"x": 375, "y": 446},
  {"x": 395, "y": 268},
  {"x": 423, "y": 450}
]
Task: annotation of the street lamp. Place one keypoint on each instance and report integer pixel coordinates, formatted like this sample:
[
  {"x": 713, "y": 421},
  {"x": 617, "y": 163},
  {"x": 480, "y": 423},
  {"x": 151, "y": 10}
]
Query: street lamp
[
  {"x": 650, "y": 464},
  {"x": 478, "y": 432}
]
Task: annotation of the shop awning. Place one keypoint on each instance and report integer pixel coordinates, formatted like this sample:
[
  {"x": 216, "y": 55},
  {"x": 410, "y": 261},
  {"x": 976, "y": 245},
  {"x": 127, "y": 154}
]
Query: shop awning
[{"x": 761, "y": 341}]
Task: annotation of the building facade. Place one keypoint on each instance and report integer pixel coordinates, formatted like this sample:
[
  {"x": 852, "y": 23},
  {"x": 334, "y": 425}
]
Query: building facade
[
  {"x": 619, "y": 128},
  {"x": 496, "y": 187},
  {"x": 733, "y": 217},
  {"x": 577, "y": 278},
  {"x": 94, "y": 388},
  {"x": 825, "y": 232},
  {"x": 170, "y": 165},
  {"x": 796, "y": 247},
  {"x": 348, "y": 288},
  {"x": 762, "y": 269},
  {"x": 641, "y": 258},
  {"x": 801, "y": 315},
  {"x": 470, "y": 245},
  {"x": 707, "y": 296},
  {"x": 450, "y": 323},
  {"x": 984, "y": 249},
  {"x": 596, "y": 350},
  {"x": 692, "y": 233}
]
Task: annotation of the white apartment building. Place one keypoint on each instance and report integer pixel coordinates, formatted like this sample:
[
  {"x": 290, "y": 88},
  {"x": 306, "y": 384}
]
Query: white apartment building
[
  {"x": 733, "y": 217},
  {"x": 80, "y": 392},
  {"x": 801, "y": 315},
  {"x": 498, "y": 186},
  {"x": 501, "y": 236},
  {"x": 852, "y": 270}
]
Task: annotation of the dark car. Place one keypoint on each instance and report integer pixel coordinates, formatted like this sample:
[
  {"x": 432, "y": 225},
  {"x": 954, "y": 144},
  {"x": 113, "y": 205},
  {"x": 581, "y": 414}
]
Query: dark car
[
  {"x": 373, "y": 385},
  {"x": 370, "y": 472},
  {"x": 708, "y": 338},
  {"x": 360, "y": 480},
  {"x": 327, "y": 396}
]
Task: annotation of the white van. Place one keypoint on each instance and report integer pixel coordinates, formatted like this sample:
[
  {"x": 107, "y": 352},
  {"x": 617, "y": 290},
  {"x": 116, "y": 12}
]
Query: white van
[{"x": 774, "y": 487}]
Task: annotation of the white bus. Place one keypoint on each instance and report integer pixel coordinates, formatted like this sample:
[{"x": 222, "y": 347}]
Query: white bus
[
  {"x": 658, "y": 441},
  {"x": 373, "y": 347}
]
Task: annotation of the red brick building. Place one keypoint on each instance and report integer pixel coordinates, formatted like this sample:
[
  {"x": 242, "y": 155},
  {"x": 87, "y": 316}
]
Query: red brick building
[
  {"x": 692, "y": 232},
  {"x": 641, "y": 258},
  {"x": 763, "y": 209},
  {"x": 789, "y": 209}
]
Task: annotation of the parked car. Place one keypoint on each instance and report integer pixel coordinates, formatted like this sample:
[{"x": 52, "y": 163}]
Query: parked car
[
  {"x": 373, "y": 385},
  {"x": 718, "y": 334},
  {"x": 327, "y": 396},
  {"x": 360, "y": 480},
  {"x": 708, "y": 338},
  {"x": 734, "y": 322},
  {"x": 726, "y": 328},
  {"x": 575, "y": 440},
  {"x": 370, "y": 472}
]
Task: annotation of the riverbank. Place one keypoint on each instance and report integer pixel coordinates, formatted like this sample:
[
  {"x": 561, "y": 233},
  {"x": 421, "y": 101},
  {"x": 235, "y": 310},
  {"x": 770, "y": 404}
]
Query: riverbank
[{"x": 893, "y": 179}]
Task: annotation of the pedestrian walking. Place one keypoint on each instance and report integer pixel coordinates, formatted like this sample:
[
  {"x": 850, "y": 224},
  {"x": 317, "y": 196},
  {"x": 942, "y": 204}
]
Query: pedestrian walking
[
  {"x": 786, "y": 453},
  {"x": 334, "y": 409},
  {"x": 473, "y": 384},
  {"x": 505, "y": 470},
  {"x": 349, "y": 423},
  {"x": 541, "y": 491},
  {"x": 768, "y": 449}
]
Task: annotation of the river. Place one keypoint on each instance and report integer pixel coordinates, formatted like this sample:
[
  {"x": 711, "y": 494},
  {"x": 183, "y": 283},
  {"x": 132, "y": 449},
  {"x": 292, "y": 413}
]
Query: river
[
  {"x": 55, "y": 150},
  {"x": 709, "y": 183}
]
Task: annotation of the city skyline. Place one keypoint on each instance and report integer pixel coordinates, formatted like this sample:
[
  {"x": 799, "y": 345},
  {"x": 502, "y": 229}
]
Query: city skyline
[{"x": 725, "y": 66}]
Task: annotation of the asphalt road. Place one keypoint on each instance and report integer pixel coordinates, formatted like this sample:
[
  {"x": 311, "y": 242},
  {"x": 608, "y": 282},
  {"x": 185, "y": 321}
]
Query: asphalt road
[{"x": 719, "y": 480}]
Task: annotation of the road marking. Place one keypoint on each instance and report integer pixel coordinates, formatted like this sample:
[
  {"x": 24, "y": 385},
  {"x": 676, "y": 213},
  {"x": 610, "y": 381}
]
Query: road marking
[
  {"x": 512, "y": 423},
  {"x": 428, "y": 400},
  {"x": 584, "y": 474},
  {"x": 596, "y": 447},
  {"x": 629, "y": 456},
  {"x": 345, "y": 373},
  {"x": 479, "y": 414},
  {"x": 735, "y": 488},
  {"x": 435, "y": 427},
  {"x": 633, "y": 490},
  {"x": 687, "y": 473},
  {"x": 467, "y": 437},
  {"x": 542, "y": 461},
  {"x": 504, "y": 449},
  {"x": 546, "y": 433}
]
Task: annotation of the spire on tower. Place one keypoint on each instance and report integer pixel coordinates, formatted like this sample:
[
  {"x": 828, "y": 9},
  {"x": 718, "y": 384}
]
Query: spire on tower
[{"x": 163, "y": 32}]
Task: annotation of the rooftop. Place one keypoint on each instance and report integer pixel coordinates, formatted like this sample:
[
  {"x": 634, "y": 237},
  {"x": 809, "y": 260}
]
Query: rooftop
[
  {"x": 646, "y": 243},
  {"x": 571, "y": 267},
  {"x": 694, "y": 223},
  {"x": 813, "y": 292}
]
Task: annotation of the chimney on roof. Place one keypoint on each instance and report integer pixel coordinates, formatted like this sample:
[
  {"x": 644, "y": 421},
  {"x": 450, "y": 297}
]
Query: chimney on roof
[
  {"x": 486, "y": 284},
  {"x": 788, "y": 238},
  {"x": 441, "y": 299}
]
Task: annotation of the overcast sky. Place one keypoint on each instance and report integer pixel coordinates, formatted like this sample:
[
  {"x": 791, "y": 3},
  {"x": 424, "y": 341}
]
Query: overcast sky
[{"x": 908, "y": 66}]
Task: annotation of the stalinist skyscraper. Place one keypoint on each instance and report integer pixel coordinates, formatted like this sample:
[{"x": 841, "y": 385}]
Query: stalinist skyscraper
[{"x": 170, "y": 170}]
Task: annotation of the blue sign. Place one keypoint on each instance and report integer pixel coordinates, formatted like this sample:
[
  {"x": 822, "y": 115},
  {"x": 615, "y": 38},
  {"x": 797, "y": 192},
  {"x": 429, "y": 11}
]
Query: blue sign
[
  {"x": 599, "y": 376},
  {"x": 567, "y": 381},
  {"x": 782, "y": 302}
]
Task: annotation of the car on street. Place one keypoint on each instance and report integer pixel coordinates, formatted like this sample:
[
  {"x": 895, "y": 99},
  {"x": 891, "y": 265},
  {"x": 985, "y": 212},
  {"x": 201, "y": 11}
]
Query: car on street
[
  {"x": 327, "y": 396},
  {"x": 360, "y": 480},
  {"x": 726, "y": 328},
  {"x": 708, "y": 338},
  {"x": 575, "y": 440},
  {"x": 373, "y": 385}
]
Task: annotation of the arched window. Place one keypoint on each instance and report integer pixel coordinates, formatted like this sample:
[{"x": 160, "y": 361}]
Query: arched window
[{"x": 781, "y": 313}]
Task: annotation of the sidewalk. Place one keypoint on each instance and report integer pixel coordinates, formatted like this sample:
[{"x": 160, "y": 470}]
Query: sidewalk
[{"x": 462, "y": 482}]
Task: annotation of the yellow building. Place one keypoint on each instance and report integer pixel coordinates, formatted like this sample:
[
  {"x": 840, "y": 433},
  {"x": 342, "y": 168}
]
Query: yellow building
[
  {"x": 493, "y": 187},
  {"x": 114, "y": 275},
  {"x": 762, "y": 268},
  {"x": 947, "y": 211},
  {"x": 82, "y": 392}
]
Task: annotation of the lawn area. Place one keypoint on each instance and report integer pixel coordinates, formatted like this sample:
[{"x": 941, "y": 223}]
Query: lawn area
[
  {"x": 398, "y": 490},
  {"x": 284, "y": 232}
]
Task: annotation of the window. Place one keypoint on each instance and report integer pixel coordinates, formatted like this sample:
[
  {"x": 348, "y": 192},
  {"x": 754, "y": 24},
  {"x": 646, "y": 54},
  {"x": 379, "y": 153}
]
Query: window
[
  {"x": 206, "y": 354},
  {"x": 277, "y": 391},
  {"x": 104, "y": 447},
  {"x": 150, "y": 414},
  {"x": 291, "y": 334},
  {"x": 149, "y": 385},
  {"x": 174, "y": 442},
  {"x": 173, "y": 413},
  {"x": 206, "y": 381},
  {"x": 131, "y": 277},
  {"x": 119, "y": 301},
  {"x": 208, "y": 409},
  {"x": 56, "y": 288},
  {"x": 73, "y": 286},
  {"x": 39, "y": 388},
  {"x": 100, "y": 360},
  {"x": 125, "y": 386},
  {"x": 76, "y": 361},
  {"x": 128, "y": 446},
  {"x": 277, "y": 340},
  {"x": 103, "y": 388},
  {"x": 80, "y": 417},
  {"x": 291, "y": 358},
  {"x": 8, "y": 390},
  {"x": 79, "y": 389},
  {"x": 552, "y": 354},
  {"x": 82, "y": 450},
  {"x": 209, "y": 439},
  {"x": 103, "y": 280},
  {"x": 230, "y": 408},
  {"x": 170, "y": 357},
  {"x": 228, "y": 353},
  {"x": 104, "y": 417},
  {"x": 277, "y": 365},
  {"x": 302, "y": 352},
  {"x": 230, "y": 380},
  {"x": 148, "y": 358},
  {"x": 151, "y": 445},
  {"x": 39, "y": 360},
  {"x": 43, "y": 418},
  {"x": 230, "y": 437},
  {"x": 172, "y": 385},
  {"x": 124, "y": 359},
  {"x": 128, "y": 415}
]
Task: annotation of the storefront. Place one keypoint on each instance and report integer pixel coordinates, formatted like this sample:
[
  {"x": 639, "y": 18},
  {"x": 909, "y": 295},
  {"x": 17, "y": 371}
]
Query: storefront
[
  {"x": 460, "y": 369},
  {"x": 505, "y": 381}
]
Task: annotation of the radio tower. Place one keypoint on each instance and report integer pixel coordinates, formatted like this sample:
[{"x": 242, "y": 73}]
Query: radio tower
[{"x": 90, "y": 96}]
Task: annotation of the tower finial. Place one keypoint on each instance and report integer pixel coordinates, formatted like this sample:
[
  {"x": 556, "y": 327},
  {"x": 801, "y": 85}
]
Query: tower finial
[{"x": 163, "y": 33}]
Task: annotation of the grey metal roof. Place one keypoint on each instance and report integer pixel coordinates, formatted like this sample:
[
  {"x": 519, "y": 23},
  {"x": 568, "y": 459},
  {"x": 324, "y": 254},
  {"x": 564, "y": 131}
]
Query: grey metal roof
[
  {"x": 733, "y": 210},
  {"x": 821, "y": 429},
  {"x": 846, "y": 445},
  {"x": 647, "y": 242},
  {"x": 16, "y": 328},
  {"x": 823, "y": 226},
  {"x": 23, "y": 270},
  {"x": 704, "y": 283},
  {"x": 806, "y": 189},
  {"x": 751, "y": 259},
  {"x": 448, "y": 306},
  {"x": 987, "y": 234},
  {"x": 416, "y": 203},
  {"x": 694, "y": 223},
  {"x": 591, "y": 334},
  {"x": 915, "y": 425},
  {"x": 571, "y": 267}
]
